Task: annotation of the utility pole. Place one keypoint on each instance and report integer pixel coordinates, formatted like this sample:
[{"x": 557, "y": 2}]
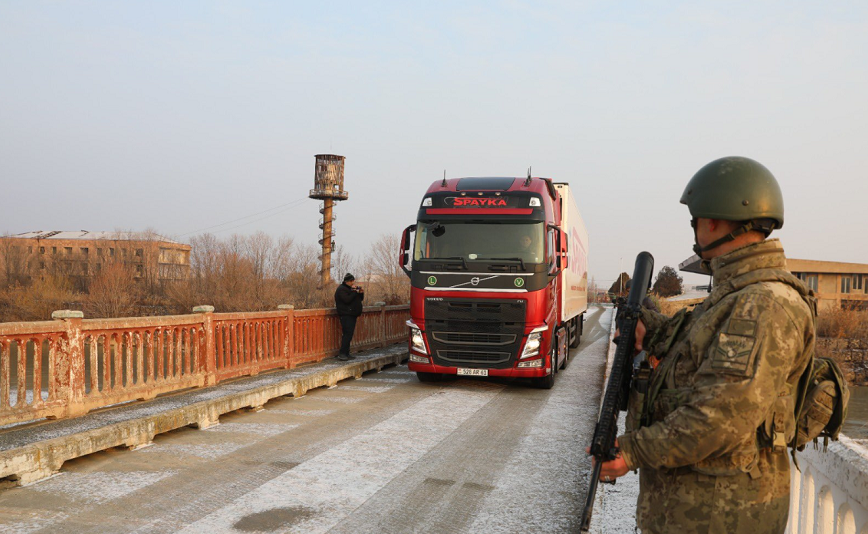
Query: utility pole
[{"x": 621, "y": 278}]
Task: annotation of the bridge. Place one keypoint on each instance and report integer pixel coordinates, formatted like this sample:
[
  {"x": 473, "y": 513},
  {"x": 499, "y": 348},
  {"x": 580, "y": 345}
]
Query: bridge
[{"x": 243, "y": 422}]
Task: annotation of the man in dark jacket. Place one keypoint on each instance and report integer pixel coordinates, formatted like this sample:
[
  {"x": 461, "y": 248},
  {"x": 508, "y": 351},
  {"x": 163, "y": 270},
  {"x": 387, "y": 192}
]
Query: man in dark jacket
[{"x": 348, "y": 301}]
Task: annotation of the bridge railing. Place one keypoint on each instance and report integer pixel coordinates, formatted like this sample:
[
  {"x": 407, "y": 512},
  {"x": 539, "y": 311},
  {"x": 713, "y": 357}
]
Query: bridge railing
[{"x": 71, "y": 365}]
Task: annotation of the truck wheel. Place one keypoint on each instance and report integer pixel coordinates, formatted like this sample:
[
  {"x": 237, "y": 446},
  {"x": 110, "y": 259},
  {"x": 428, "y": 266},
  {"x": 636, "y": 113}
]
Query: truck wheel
[
  {"x": 428, "y": 377},
  {"x": 576, "y": 331},
  {"x": 546, "y": 382}
]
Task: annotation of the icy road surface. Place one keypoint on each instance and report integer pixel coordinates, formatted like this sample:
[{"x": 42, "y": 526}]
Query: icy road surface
[{"x": 383, "y": 454}]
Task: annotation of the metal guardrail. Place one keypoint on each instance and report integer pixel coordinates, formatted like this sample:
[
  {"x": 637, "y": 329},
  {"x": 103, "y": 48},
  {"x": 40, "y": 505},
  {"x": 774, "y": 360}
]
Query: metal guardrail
[{"x": 69, "y": 366}]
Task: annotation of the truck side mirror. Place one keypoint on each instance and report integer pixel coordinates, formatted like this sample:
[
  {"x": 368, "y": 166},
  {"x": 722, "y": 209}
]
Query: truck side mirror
[
  {"x": 554, "y": 250},
  {"x": 559, "y": 257},
  {"x": 404, "y": 253}
]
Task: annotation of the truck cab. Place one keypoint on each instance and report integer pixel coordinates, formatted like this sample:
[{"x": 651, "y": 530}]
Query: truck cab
[{"x": 490, "y": 276}]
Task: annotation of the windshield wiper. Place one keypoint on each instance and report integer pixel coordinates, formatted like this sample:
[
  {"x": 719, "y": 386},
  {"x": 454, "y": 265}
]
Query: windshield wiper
[
  {"x": 461, "y": 258},
  {"x": 519, "y": 260}
]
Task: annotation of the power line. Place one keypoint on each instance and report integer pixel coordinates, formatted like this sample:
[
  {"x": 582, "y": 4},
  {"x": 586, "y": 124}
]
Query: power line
[
  {"x": 255, "y": 220},
  {"x": 289, "y": 204}
]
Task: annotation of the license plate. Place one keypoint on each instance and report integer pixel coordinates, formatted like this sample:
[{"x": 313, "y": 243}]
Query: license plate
[{"x": 472, "y": 372}]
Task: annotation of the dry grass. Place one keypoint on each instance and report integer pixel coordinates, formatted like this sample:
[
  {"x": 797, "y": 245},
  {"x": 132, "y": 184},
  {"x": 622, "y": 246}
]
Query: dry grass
[
  {"x": 840, "y": 323},
  {"x": 671, "y": 307}
]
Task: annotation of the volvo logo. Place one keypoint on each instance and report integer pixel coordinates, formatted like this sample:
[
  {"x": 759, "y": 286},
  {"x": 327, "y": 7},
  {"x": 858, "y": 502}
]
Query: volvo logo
[{"x": 474, "y": 281}]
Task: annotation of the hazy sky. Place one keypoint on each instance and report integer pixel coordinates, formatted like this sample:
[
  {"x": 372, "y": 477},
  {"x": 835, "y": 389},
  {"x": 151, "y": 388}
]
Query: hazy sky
[{"x": 184, "y": 115}]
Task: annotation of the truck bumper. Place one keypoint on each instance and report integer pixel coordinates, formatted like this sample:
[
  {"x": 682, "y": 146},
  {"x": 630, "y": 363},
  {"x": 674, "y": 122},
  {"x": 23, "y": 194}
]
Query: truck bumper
[{"x": 514, "y": 373}]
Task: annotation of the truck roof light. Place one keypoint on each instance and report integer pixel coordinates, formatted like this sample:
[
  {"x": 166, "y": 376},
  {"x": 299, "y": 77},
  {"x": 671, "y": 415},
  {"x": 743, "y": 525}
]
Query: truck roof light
[
  {"x": 427, "y": 203},
  {"x": 534, "y": 203}
]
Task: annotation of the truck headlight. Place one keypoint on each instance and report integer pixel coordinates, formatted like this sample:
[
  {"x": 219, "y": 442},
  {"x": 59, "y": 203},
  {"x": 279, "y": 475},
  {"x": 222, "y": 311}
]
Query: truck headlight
[
  {"x": 417, "y": 340},
  {"x": 531, "y": 346}
]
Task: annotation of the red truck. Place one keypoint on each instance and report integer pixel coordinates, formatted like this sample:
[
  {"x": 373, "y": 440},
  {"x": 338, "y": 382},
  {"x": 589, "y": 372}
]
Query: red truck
[{"x": 499, "y": 280}]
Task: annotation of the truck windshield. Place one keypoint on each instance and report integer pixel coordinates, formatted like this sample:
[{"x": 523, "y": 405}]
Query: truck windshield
[{"x": 480, "y": 241}]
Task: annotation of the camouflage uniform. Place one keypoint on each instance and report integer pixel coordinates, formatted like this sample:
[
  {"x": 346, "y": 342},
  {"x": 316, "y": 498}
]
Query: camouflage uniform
[{"x": 712, "y": 454}]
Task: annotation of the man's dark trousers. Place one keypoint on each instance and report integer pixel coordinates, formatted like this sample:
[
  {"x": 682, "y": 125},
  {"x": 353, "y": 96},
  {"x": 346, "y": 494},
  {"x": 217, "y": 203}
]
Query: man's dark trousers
[{"x": 348, "y": 327}]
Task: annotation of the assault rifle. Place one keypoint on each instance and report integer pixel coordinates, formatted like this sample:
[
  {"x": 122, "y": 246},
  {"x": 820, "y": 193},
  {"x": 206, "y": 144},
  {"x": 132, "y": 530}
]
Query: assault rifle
[{"x": 618, "y": 388}]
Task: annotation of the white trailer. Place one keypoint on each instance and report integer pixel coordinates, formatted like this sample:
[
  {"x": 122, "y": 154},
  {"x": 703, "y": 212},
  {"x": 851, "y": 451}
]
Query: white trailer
[{"x": 574, "y": 285}]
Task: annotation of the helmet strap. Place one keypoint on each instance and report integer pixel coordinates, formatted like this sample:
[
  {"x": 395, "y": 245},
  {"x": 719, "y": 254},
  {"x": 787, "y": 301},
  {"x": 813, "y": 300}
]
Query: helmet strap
[{"x": 747, "y": 227}]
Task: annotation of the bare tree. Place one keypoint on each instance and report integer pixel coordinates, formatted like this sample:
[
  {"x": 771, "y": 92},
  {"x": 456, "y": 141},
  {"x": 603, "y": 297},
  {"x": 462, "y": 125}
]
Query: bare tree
[
  {"x": 303, "y": 282},
  {"x": 389, "y": 282},
  {"x": 343, "y": 263},
  {"x": 280, "y": 258},
  {"x": 14, "y": 267},
  {"x": 113, "y": 292},
  {"x": 36, "y": 301}
]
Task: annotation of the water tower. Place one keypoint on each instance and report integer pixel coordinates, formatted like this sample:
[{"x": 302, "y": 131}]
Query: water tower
[{"x": 328, "y": 187}]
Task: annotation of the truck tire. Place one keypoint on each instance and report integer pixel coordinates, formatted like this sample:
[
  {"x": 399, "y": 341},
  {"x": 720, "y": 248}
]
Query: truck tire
[
  {"x": 428, "y": 377},
  {"x": 576, "y": 331},
  {"x": 546, "y": 382}
]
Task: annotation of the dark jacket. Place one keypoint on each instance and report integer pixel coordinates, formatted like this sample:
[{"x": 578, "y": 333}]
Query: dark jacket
[{"x": 347, "y": 301}]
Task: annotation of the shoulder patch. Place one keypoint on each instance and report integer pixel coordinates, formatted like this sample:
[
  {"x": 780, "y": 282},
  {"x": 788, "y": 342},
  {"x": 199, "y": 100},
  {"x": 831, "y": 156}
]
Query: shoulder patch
[{"x": 734, "y": 353}]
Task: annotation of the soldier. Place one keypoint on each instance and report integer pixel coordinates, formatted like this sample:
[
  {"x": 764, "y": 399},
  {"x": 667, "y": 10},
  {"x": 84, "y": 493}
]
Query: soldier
[{"x": 709, "y": 436}]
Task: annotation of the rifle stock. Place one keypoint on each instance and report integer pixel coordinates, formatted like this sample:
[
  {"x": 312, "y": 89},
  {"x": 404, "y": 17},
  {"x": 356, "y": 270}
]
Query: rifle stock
[{"x": 618, "y": 387}]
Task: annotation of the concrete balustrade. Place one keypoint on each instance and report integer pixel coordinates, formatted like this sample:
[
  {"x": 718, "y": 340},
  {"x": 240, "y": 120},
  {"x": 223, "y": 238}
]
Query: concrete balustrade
[
  {"x": 829, "y": 495},
  {"x": 69, "y": 366}
]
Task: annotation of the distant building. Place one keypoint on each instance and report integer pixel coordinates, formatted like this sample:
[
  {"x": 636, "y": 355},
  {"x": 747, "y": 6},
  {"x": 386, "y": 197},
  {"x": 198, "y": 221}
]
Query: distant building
[
  {"x": 837, "y": 284},
  {"x": 83, "y": 254}
]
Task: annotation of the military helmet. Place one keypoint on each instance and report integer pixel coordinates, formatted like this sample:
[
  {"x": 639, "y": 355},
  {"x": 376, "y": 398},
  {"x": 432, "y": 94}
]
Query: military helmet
[{"x": 735, "y": 189}]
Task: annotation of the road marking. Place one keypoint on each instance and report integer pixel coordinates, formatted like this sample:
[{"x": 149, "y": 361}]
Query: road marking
[
  {"x": 396, "y": 372},
  {"x": 100, "y": 487},
  {"x": 304, "y": 413},
  {"x": 367, "y": 389},
  {"x": 322, "y": 491},
  {"x": 208, "y": 452},
  {"x": 386, "y": 380},
  {"x": 343, "y": 400},
  {"x": 262, "y": 429}
]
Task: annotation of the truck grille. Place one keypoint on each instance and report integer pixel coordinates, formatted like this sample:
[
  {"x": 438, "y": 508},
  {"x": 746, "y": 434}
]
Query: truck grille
[
  {"x": 509, "y": 311},
  {"x": 473, "y": 357},
  {"x": 473, "y": 338},
  {"x": 475, "y": 332}
]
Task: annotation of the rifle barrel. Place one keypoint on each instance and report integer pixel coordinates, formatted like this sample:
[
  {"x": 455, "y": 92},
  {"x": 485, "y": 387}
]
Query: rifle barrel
[{"x": 618, "y": 386}]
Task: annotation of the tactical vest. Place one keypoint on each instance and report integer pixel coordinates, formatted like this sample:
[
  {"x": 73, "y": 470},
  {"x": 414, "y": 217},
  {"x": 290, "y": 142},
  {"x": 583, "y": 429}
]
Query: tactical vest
[{"x": 816, "y": 406}]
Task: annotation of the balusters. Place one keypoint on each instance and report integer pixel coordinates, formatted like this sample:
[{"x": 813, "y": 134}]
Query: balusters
[
  {"x": 138, "y": 338},
  {"x": 37, "y": 371},
  {"x": 52, "y": 377},
  {"x": 21, "y": 374},
  {"x": 178, "y": 356},
  {"x": 127, "y": 353},
  {"x": 5, "y": 373}
]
